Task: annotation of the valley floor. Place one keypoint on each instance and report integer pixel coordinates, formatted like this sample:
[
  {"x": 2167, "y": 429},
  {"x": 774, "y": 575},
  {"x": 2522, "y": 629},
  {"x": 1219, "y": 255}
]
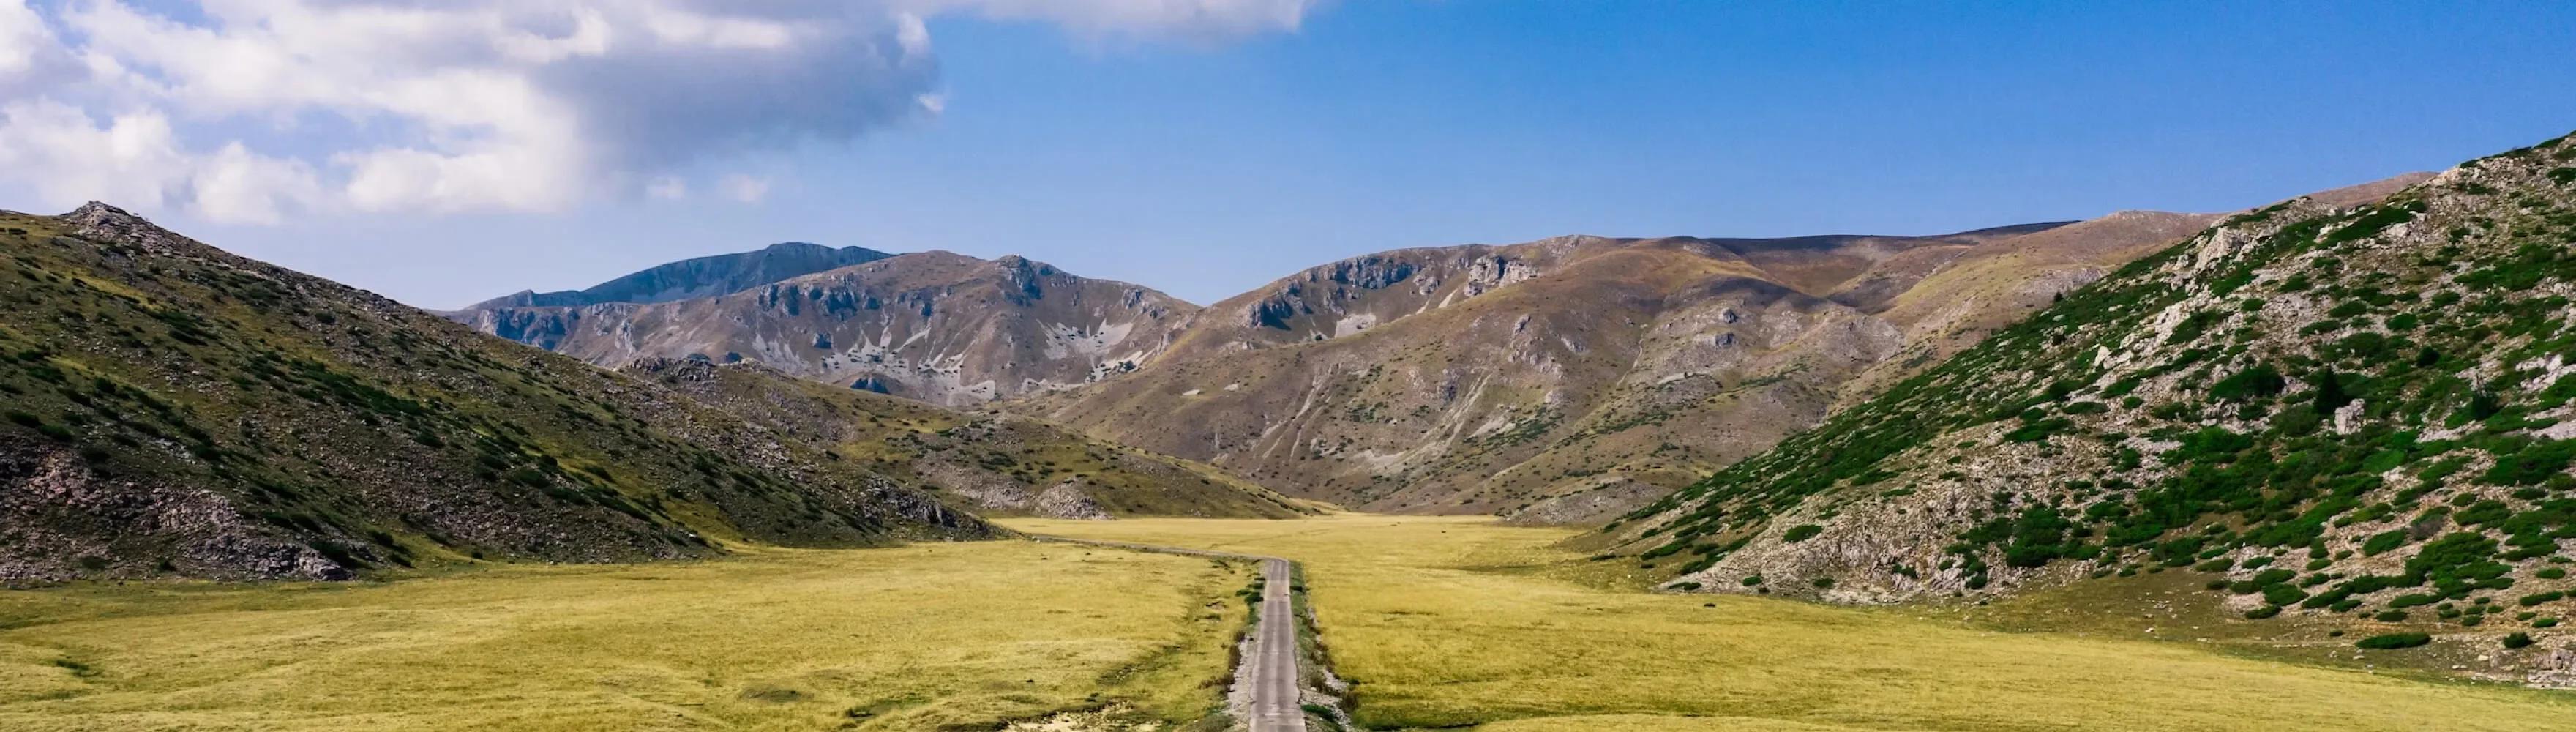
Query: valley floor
[
  {"x": 1441, "y": 622},
  {"x": 1453, "y": 622},
  {"x": 912, "y": 638}
]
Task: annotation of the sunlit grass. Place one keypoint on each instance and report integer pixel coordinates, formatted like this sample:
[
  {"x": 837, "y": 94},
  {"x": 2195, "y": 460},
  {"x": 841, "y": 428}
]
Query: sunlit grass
[
  {"x": 907, "y": 638},
  {"x": 1448, "y": 622}
]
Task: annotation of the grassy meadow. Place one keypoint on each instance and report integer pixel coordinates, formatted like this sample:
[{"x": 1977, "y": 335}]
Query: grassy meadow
[
  {"x": 1451, "y": 622},
  {"x": 929, "y": 636}
]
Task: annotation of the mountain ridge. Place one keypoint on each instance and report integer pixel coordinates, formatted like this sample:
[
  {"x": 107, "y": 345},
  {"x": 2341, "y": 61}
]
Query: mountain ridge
[
  {"x": 1568, "y": 399},
  {"x": 937, "y": 326},
  {"x": 697, "y": 277}
]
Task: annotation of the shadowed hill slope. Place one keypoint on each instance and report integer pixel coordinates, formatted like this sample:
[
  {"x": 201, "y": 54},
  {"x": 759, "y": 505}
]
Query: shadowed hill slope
[
  {"x": 999, "y": 464},
  {"x": 174, "y": 408}
]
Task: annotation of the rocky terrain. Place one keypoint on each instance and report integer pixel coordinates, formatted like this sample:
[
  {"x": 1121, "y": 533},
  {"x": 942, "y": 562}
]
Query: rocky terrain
[
  {"x": 938, "y": 327},
  {"x": 996, "y": 463},
  {"x": 2329, "y": 410},
  {"x": 1573, "y": 379},
  {"x": 166, "y": 407}
]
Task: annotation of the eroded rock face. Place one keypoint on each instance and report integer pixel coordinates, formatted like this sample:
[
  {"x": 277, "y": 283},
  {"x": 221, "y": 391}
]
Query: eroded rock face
[{"x": 935, "y": 326}]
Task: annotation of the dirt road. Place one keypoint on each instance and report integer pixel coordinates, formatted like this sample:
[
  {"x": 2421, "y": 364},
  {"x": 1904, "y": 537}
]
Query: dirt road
[{"x": 1273, "y": 658}]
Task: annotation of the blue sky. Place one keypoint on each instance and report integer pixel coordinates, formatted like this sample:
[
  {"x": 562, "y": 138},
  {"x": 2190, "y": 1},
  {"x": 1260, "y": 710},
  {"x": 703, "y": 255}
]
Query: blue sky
[{"x": 1206, "y": 162}]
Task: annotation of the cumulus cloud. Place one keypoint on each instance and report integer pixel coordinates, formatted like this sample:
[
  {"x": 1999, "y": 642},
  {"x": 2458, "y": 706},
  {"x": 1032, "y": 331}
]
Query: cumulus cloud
[{"x": 253, "y": 110}]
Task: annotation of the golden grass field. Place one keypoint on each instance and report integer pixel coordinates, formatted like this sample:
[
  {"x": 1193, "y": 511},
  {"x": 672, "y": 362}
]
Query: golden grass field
[
  {"x": 910, "y": 638},
  {"x": 1447, "y": 622}
]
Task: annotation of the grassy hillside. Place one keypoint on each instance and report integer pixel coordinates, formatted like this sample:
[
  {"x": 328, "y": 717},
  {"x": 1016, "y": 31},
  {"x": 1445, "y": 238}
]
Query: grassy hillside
[
  {"x": 936, "y": 636},
  {"x": 996, "y": 463},
  {"x": 173, "y": 408},
  {"x": 1450, "y": 622},
  {"x": 2356, "y": 412}
]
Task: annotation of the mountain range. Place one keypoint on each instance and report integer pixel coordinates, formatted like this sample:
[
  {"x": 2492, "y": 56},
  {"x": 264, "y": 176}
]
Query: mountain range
[{"x": 1567, "y": 380}]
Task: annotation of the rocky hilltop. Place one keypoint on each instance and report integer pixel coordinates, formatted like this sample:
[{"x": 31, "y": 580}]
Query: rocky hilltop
[
  {"x": 935, "y": 326},
  {"x": 172, "y": 408},
  {"x": 2326, "y": 409}
]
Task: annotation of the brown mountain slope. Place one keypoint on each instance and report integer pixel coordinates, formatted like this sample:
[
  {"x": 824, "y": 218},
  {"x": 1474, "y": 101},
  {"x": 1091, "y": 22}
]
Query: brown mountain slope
[
  {"x": 1568, "y": 379},
  {"x": 939, "y": 327},
  {"x": 174, "y": 408},
  {"x": 999, "y": 464}
]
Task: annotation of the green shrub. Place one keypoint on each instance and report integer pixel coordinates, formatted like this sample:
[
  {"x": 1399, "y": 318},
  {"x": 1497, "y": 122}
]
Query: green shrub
[
  {"x": 2550, "y": 573},
  {"x": 2262, "y": 612},
  {"x": 2260, "y": 381},
  {"x": 2390, "y": 616},
  {"x": 2381, "y": 543},
  {"x": 2395, "y": 641},
  {"x": 2283, "y": 594},
  {"x": 2518, "y": 640},
  {"x": 1801, "y": 532},
  {"x": 2413, "y": 600}
]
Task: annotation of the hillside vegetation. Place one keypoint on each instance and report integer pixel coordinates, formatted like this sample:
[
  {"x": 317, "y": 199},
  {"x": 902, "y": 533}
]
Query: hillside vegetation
[
  {"x": 2360, "y": 412},
  {"x": 173, "y": 408},
  {"x": 998, "y": 464}
]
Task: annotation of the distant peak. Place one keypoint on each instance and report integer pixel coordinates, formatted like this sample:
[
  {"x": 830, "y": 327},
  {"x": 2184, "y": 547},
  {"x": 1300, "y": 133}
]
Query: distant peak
[
  {"x": 96, "y": 212},
  {"x": 787, "y": 245}
]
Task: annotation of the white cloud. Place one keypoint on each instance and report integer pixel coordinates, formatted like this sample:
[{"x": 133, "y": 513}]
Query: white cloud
[
  {"x": 1200, "y": 18},
  {"x": 22, "y": 36},
  {"x": 744, "y": 188},
  {"x": 478, "y": 105}
]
